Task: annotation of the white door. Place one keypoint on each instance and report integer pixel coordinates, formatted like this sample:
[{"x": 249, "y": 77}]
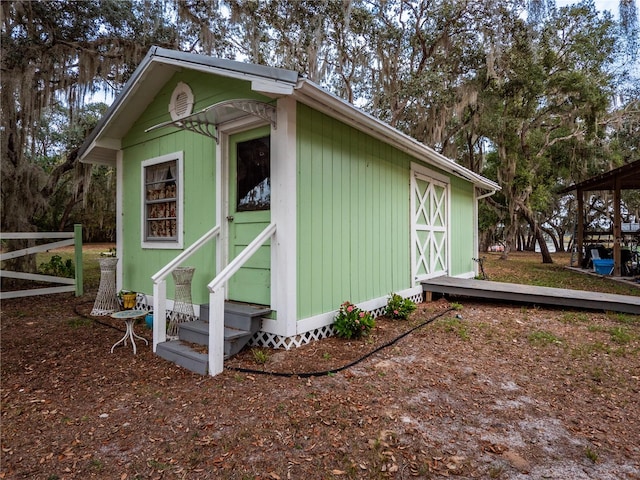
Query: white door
[{"x": 429, "y": 221}]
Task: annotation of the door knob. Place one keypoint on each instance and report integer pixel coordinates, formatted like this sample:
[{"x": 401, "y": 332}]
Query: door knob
[{"x": 230, "y": 218}]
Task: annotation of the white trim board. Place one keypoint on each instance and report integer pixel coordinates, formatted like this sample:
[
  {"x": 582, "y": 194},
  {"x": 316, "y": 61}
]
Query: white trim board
[{"x": 327, "y": 318}]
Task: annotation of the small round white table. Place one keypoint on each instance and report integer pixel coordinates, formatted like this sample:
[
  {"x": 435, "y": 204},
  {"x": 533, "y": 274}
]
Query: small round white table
[{"x": 129, "y": 317}]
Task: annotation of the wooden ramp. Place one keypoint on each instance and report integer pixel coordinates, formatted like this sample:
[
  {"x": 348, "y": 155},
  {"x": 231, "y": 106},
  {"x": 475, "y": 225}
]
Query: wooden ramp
[{"x": 511, "y": 292}]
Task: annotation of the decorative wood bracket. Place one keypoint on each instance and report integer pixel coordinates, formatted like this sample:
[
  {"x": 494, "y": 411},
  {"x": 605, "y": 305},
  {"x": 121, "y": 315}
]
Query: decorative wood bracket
[{"x": 206, "y": 121}]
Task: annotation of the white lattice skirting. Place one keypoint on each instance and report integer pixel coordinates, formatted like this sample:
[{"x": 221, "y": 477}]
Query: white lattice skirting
[{"x": 271, "y": 340}]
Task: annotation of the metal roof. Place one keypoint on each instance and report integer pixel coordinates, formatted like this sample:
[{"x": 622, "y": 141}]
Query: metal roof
[
  {"x": 628, "y": 175},
  {"x": 160, "y": 64},
  {"x": 155, "y": 69},
  {"x": 233, "y": 67}
]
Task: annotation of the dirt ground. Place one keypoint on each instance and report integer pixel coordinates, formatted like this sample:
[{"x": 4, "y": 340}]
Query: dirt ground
[{"x": 483, "y": 391}]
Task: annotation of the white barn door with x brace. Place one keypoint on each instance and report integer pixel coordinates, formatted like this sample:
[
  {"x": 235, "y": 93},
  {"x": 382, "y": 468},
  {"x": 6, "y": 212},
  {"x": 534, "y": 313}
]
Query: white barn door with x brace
[{"x": 429, "y": 224}]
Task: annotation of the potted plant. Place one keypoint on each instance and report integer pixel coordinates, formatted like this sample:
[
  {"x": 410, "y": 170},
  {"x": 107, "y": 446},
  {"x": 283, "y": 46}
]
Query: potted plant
[{"x": 127, "y": 299}]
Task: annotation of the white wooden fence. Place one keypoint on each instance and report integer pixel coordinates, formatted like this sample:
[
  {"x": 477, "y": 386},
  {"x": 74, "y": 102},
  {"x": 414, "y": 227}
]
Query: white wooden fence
[{"x": 69, "y": 284}]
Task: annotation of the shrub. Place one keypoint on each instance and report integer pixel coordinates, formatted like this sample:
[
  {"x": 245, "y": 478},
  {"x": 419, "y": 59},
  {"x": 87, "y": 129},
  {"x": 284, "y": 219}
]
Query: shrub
[
  {"x": 399, "y": 308},
  {"x": 56, "y": 267},
  {"x": 351, "y": 322}
]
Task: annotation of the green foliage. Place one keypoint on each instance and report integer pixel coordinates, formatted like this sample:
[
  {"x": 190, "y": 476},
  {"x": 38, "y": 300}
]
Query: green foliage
[
  {"x": 97, "y": 464},
  {"x": 547, "y": 109},
  {"x": 529, "y": 97},
  {"x": 591, "y": 454},
  {"x": 455, "y": 325},
  {"x": 60, "y": 134},
  {"x": 543, "y": 338},
  {"x": 157, "y": 465},
  {"x": 351, "y": 322},
  {"x": 54, "y": 55},
  {"x": 57, "y": 267},
  {"x": 79, "y": 322},
  {"x": 574, "y": 317},
  {"x": 399, "y": 308},
  {"x": 620, "y": 335},
  {"x": 527, "y": 270},
  {"x": 625, "y": 318},
  {"x": 260, "y": 356}
]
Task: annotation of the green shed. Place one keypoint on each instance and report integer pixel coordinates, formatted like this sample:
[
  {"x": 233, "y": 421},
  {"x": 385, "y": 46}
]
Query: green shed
[{"x": 286, "y": 199}]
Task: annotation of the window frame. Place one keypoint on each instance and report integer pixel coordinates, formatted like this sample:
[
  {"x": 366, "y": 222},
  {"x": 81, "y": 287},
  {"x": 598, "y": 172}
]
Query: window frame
[
  {"x": 238, "y": 195},
  {"x": 176, "y": 241}
]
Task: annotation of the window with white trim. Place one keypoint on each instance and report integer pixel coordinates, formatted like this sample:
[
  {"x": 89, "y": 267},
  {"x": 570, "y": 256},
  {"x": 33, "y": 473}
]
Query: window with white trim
[{"x": 162, "y": 201}]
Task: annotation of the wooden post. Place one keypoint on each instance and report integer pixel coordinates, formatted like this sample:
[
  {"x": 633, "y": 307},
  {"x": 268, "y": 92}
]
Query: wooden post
[
  {"x": 216, "y": 331},
  {"x": 77, "y": 241},
  {"x": 617, "y": 228},
  {"x": 159, "y": 313},
  {"x": 580, "y": 240}
]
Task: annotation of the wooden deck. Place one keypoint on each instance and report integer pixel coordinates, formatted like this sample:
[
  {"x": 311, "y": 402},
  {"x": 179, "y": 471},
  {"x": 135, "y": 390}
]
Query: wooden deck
[{"x": 511, "y": 292}]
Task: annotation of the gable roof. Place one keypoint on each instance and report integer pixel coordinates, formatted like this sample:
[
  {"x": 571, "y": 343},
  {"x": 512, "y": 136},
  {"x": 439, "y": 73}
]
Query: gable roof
[{"x": 160, "y": 64}]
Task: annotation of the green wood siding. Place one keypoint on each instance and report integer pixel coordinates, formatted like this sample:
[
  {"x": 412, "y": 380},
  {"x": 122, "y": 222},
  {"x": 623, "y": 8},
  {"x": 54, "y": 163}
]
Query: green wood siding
[
  {"x": 207, "y": 90},
  {"x": 199, "y": 213},
  {"x": 353, "y": 215},
  {"x": 353, "y": 212},
  {"x": 199, "y": 183},
  {"x": 462, "y": 227}
]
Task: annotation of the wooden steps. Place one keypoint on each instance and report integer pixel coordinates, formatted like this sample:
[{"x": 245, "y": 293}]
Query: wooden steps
[
  {"x": 241, "y": 322},
  {"x": 181, "y": 353}
]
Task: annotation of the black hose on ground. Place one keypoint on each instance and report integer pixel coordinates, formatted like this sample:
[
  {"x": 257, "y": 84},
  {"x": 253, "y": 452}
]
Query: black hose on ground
[
  {"x": 344, "y": 367},
  {"x": 306, "y": 374},
  {"x": 95, "y": 319}
]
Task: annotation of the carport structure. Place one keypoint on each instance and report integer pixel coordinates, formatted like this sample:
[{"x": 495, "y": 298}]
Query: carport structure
[{"x": 626, "y": 177}]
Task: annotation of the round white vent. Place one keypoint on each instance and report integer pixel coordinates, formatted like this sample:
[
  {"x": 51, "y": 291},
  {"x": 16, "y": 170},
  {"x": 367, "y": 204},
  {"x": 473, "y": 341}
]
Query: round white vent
[{"x": 181, "y": 103}]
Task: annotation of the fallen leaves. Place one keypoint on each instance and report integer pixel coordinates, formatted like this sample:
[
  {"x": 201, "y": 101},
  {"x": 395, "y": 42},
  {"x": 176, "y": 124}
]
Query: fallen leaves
[
  {"x": 425, "y": 408},
  {"x": 492, "y": 447}
]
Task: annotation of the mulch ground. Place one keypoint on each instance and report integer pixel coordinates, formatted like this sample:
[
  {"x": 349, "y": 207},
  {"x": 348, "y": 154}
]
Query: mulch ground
[{"x": 485, "y": 391}]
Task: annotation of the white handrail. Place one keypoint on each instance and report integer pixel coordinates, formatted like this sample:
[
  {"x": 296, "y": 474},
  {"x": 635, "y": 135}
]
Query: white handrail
[
  {"x": 160, "y": 286},
  {"x": 171, "y": 266},
  {"x": 237, "y": 263},
  {"x": 217, "y": 296}
]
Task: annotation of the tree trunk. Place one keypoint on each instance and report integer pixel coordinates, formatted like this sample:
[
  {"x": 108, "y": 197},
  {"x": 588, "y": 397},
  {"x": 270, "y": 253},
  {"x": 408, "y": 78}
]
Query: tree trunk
[
  {"x": 509, "y": 240},
  {"x": 26, "y": 263},
  {"x": 557, "y": 237},
  {"x": 544, "y": 250}
]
